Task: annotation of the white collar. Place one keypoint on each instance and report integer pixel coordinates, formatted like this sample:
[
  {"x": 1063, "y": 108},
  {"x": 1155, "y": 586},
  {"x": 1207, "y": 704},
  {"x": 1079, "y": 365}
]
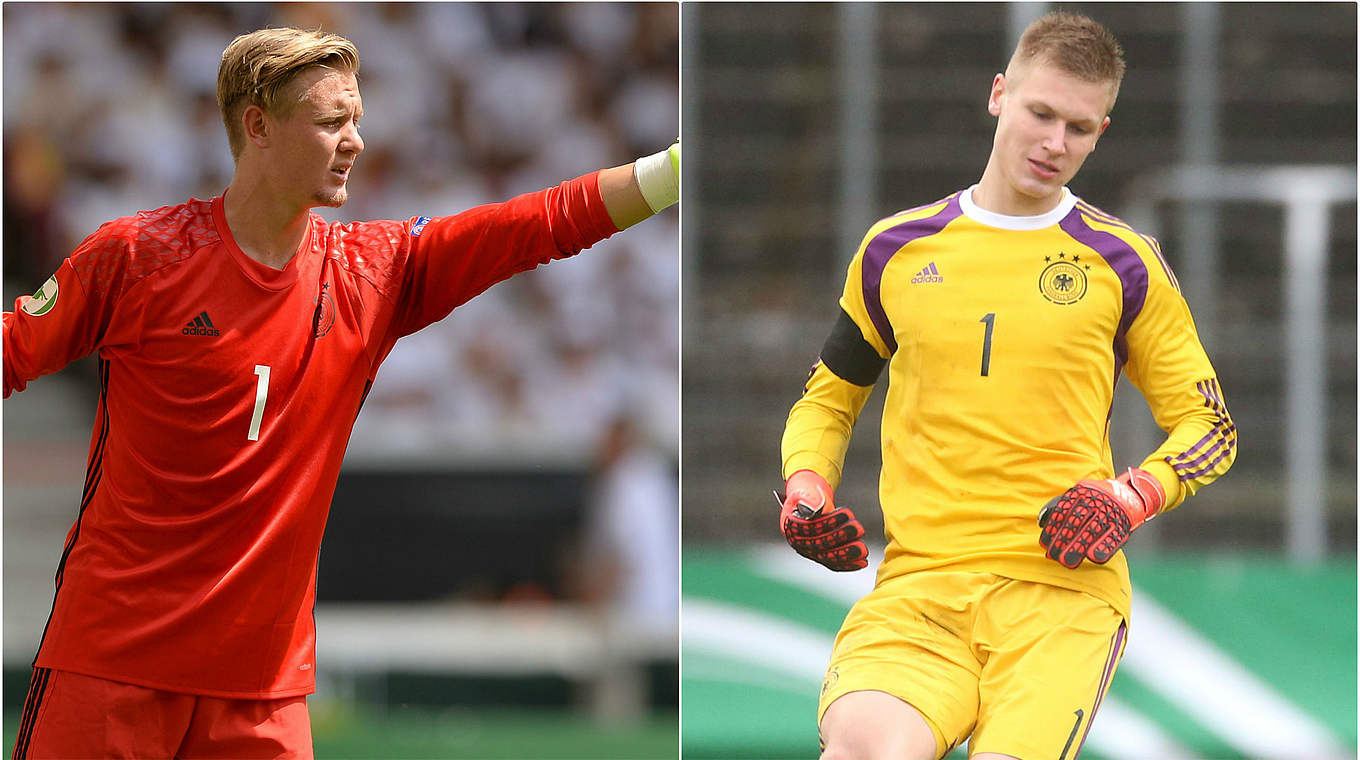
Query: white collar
[{"x": 1002, "y": 221}]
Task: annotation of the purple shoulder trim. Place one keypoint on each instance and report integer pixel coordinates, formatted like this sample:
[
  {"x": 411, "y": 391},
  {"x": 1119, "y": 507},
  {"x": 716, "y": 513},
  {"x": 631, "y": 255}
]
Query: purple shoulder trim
[
  {"x": 1132, "y": 273},
  {"x": 884, "y": 246}
]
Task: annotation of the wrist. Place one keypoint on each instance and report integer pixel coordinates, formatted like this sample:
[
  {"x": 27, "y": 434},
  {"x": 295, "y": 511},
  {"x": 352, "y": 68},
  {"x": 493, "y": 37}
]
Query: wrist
[
  {"x": 1149, "y": 491},
  {"x": 1171, "y": 482},
  {"x": 809, "y": 488}
]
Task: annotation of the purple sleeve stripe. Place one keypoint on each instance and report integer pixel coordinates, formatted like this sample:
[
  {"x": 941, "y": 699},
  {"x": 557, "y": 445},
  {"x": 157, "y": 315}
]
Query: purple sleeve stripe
[
  {"x": 1223, "y": 433},
  {"x": 1132, "y": 273},
  {"x": 1219, "y": 412},
  {"x": 1221, "y": 439},
  {"x": 1213, "y": 396},
  {"x": 1208, "y": 466},
  {"x": 883, "y": 247},
  {"x": 1220, "y": 428},
  {"x": 1186, "y": 476}
]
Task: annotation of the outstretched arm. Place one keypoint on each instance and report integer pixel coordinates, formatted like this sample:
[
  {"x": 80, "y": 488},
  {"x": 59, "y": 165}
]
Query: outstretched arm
[{"x": 70, "y": 314}]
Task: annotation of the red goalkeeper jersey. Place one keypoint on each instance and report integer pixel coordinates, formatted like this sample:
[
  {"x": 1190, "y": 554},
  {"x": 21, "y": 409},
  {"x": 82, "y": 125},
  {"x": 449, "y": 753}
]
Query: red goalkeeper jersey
[{"x": 228, "y": 392}]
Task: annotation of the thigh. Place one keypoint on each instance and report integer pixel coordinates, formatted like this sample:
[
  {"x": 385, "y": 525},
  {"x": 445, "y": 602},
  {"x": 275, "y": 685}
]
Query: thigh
[
  {"x": 1050, "y": 655},
  {"x": 246, "y": 729},
  {"x": 71, "y": 715},
  {"x": 872, "y": 725},
  {"x": 909, "y": 638}
]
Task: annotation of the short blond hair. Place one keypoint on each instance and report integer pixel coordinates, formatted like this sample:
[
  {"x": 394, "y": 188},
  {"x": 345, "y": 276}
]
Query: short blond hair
[
  {"x": 257, "y": 67},
  {"x": 1075, "y": 44}
]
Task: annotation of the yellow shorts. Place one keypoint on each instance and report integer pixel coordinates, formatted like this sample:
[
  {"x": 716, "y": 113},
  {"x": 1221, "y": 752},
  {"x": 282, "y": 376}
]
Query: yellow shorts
[{"x": 1019, "y": 666}]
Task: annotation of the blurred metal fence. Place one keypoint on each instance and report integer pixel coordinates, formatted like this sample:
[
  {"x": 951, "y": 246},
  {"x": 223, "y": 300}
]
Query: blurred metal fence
[{"x": 799, "y": 143}]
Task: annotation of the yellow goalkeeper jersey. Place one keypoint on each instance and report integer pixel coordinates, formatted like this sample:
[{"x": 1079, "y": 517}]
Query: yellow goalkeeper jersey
[{"x": 1004, "y": 338}]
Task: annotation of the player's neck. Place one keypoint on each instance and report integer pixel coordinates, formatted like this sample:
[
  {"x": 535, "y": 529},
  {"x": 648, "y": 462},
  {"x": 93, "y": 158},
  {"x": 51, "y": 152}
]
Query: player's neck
[
  {"x": 993, "y": 193},
  {"x": 265, "y": 227}
]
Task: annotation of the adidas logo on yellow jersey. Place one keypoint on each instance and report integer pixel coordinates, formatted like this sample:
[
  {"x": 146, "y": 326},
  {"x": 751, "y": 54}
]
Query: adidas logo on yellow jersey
[{"x": 929, "y": 274}]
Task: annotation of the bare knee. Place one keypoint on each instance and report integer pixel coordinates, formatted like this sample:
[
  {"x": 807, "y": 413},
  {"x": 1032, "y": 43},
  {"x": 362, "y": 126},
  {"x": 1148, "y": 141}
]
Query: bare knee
[{"x": 873, "y": 725}]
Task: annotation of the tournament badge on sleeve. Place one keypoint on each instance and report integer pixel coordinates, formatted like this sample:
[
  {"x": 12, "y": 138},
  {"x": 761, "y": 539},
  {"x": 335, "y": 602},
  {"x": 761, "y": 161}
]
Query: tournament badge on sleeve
[{"x": 43, "y": 300}]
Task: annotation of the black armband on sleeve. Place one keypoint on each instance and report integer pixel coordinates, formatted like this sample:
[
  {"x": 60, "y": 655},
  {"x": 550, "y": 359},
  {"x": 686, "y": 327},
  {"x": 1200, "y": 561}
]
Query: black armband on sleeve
[{"x": 849, "y": 355}]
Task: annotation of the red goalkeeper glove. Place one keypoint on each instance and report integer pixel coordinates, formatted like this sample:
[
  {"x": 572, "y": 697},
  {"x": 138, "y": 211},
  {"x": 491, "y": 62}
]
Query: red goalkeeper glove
[
  {"x": 1094, "y": 518},
  {"x": 816, "y": 528}
]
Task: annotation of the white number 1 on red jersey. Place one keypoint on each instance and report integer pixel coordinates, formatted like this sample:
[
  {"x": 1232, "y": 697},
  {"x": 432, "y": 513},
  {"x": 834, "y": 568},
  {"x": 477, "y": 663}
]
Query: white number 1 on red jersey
[{"x": 261, "y": 392}]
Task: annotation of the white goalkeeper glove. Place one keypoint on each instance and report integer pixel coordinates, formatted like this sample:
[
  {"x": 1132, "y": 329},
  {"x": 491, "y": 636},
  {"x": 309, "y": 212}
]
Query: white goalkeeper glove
[{"x": 658, "y": 177}]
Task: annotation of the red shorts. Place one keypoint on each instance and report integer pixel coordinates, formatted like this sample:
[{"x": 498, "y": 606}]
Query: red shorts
[{"x": 68, "y": 715}]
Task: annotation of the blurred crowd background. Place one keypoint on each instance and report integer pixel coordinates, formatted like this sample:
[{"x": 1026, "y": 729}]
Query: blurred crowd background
[
  {"x": 547, "y": 407},
  {"x": 112, "y": 109}
]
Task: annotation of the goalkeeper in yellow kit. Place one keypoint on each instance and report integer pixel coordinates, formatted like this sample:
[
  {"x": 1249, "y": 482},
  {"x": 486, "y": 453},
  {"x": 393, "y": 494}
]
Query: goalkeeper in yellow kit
[{"x": 1005, "y": 314}]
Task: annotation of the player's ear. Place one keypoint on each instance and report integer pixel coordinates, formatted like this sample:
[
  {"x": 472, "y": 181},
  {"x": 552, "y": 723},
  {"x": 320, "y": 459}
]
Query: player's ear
[
  {"x": 998, "y": 91},
  {"x": 255, "y": 124},
  {"x": 1104, "y": 124}
]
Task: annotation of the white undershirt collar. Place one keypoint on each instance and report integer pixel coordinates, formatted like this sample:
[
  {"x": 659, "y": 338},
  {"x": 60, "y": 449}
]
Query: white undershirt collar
[{"x": 1002, "y": 221}]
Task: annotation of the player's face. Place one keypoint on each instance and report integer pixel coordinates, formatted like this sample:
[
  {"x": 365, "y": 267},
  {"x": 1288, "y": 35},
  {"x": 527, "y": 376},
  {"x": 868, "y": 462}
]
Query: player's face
[
  {"x": 1048, "y": 122},
  {"x": 318, "y": 139}
]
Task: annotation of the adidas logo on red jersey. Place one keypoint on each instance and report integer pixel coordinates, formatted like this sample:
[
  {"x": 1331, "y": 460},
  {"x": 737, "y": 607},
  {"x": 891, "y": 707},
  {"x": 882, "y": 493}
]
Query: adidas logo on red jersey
[
  {"x": 929, "y": 274},
  {"x": 201, "y": 325}
]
